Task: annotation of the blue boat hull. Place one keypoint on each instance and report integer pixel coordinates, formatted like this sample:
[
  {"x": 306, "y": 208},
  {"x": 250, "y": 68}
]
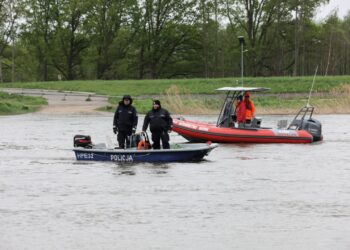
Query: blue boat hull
[{"x": 124, "y": 155}]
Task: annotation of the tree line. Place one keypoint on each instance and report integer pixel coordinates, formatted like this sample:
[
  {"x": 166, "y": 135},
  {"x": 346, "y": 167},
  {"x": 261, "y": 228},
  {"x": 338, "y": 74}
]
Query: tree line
[{"x": 44, "y": 40}]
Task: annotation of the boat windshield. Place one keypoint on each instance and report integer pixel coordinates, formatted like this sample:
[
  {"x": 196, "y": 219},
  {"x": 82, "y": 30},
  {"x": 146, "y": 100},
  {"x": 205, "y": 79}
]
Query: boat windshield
[{"x": 228, "y": 110}]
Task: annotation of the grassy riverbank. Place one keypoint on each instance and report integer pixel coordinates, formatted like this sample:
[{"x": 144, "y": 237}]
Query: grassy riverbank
[
  {"x": 334, "y": 98},
  {"x": 11, "y": 104},
  {"x": 331, "y": 94},
  {"x": 187, "y": 86}
]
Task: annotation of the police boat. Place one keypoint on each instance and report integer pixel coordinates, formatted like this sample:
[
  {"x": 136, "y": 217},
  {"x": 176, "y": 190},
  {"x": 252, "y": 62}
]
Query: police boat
[{"x": 139, "y": 150}]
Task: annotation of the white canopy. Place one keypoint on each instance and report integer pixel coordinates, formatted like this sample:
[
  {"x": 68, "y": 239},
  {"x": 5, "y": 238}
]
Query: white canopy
[{"x": 243, "y": 89}]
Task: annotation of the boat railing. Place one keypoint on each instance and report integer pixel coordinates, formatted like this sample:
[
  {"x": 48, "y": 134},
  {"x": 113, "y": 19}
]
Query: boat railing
[{"x": 305, "y": 113}]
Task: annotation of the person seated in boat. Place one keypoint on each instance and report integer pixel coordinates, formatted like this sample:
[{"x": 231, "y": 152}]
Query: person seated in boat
[
  {"x": 240, "y": 112},
  {"x": 125, "y": 121},
  {"x": 250, "y": 109},
  {"x": 160, "y": 123}
]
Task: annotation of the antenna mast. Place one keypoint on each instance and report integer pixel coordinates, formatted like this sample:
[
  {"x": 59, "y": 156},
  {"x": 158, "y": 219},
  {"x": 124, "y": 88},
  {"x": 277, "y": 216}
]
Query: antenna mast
[
  {"x": 312, "y": 86},
  {"x": 241, "y": 42}
]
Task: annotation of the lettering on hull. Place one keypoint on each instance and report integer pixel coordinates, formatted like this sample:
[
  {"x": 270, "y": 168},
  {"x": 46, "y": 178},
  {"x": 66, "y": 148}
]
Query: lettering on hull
[
  {"x": 282, "y": 132},
  {"x": 85, "y": 156},
  {"x": 113, "y": 157},
  {"x": 122, "y": 158}
]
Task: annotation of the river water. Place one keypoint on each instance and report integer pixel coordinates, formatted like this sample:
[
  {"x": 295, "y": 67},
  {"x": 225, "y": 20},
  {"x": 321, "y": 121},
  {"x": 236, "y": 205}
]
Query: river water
[{"x": 276, "y": 196}]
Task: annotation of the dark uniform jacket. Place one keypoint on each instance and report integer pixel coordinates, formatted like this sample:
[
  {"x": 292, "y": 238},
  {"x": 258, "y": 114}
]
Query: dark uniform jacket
[
  {"x": 125, "y": 117},
  {"x": 159, "y": 120}
]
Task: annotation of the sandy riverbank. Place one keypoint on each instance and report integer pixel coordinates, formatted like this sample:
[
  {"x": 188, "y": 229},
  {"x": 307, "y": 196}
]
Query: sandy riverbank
[{"x": 65, "y": 102}]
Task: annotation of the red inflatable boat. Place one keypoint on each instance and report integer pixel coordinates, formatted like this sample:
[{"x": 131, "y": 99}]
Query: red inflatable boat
[
  {"x": 199, "y": 132},
  {"x": 303, "y": 128}
]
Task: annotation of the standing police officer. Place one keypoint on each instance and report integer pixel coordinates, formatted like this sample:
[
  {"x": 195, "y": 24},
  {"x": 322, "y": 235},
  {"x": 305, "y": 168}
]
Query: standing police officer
[
  {"x": 125, "y": 120},
  {"x": 160, "y": 123}
]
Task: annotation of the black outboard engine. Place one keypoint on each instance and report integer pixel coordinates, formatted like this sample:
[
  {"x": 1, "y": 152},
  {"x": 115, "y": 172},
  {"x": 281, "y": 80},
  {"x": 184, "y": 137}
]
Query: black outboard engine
[
  {"x": 314, "y": 127},
  {"x": 83, "y": 141},
  {"x": 311, "y": 125},
  {"x": 304, "y": 121}
]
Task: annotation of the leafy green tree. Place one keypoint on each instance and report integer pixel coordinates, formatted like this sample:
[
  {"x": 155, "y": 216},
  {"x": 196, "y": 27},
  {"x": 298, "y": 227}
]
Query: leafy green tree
[
  {"x": 108, "y": 27},
  {"x": 260, "y": 19},
  {"x": 165, "y": 28},
  {"x": 109, "y": 39},
  {"x": 9, "y": 14},
  {"x": 69, "y": 37},
  {"x": 255, "y": 18},
  {"x": 38, "y": 34},
  {"x": 334, "y": 36},
  {"x": 345, "y": 46}
]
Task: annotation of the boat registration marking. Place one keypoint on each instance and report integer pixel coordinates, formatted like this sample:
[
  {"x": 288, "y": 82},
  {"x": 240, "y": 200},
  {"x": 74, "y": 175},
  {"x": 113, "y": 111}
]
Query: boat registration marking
[
  {"x": 283, "y": 132},
  {"x": 85, "y": 156},
  {"x": 122, "y": 158}
]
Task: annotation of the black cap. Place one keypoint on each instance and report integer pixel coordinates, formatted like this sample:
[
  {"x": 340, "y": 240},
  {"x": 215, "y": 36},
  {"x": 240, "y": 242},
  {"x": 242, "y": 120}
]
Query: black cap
[
  {"x": 127, "y": 97},
  {"x": 156, "y": 102}
]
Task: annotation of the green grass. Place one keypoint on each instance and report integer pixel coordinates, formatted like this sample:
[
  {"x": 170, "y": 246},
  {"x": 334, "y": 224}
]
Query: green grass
[
  {"x": 211, "y": 103},
  {"x": 197, "y": 96},
  {"x": 142, "y": 105},
  {"x": 16, "y": 104},
  {"x": 187, "y": 86}
]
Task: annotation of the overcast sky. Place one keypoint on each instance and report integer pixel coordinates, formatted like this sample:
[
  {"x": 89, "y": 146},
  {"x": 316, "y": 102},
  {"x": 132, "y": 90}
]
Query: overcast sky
[{"x": 342, "y": 6}]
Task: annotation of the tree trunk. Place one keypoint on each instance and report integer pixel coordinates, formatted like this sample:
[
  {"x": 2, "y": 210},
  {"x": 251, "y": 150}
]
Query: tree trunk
[
  {"x": 154, "y": 73},
  {"x": 1, "y": 78},
  {"x": 296, "y": 44},
  {"x": 142, "y": 63},
  {"x": 46, "y": 73},
  {"x": 13, "y": 61},
  {"x": 216, "y": 70},
  {"x": 70, "y": 72},
  {"x": 329, "y": 54}
]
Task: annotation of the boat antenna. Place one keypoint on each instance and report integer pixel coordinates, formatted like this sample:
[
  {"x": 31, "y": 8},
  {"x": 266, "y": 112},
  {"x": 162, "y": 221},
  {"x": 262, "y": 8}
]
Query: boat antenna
[
  {"x": 312, "y": 86},
  {"x": 241, "y": 42}
]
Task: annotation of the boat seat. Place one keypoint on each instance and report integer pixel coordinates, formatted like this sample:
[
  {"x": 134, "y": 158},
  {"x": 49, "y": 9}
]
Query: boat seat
[{"x": 255, "y": 123}]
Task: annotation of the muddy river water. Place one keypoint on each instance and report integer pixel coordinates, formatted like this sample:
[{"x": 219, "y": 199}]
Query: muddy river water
[{"x": 259, "y": 196}]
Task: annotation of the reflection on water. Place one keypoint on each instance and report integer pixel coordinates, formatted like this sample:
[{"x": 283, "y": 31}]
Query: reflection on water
[{"x": 243, "y": 196}]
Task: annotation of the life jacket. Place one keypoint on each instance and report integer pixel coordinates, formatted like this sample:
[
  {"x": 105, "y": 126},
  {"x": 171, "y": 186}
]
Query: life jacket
[
  {"x": 143, "y": 145},
  {"x": 241, "y": 112},
  {"x": 250, "y": 109}
]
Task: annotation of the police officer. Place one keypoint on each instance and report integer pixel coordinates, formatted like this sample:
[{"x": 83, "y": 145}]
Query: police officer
[
  {"x": 160, "y": 123},
  {"x": 125, "y": 120}
]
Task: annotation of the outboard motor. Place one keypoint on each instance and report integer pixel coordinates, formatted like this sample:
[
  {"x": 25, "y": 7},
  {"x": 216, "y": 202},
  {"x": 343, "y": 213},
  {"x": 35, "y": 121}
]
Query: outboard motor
[
  {"x": 314, "y": 127},
  {"x": 309, "y": 124},
  {"x": 83, "y": 141}
]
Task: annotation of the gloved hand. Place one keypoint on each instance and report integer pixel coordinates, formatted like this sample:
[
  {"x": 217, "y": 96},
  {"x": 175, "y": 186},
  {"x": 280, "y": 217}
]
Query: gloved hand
[
  {"x": 115, "y": 129},
  {"x": 133, "y": 130}
]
